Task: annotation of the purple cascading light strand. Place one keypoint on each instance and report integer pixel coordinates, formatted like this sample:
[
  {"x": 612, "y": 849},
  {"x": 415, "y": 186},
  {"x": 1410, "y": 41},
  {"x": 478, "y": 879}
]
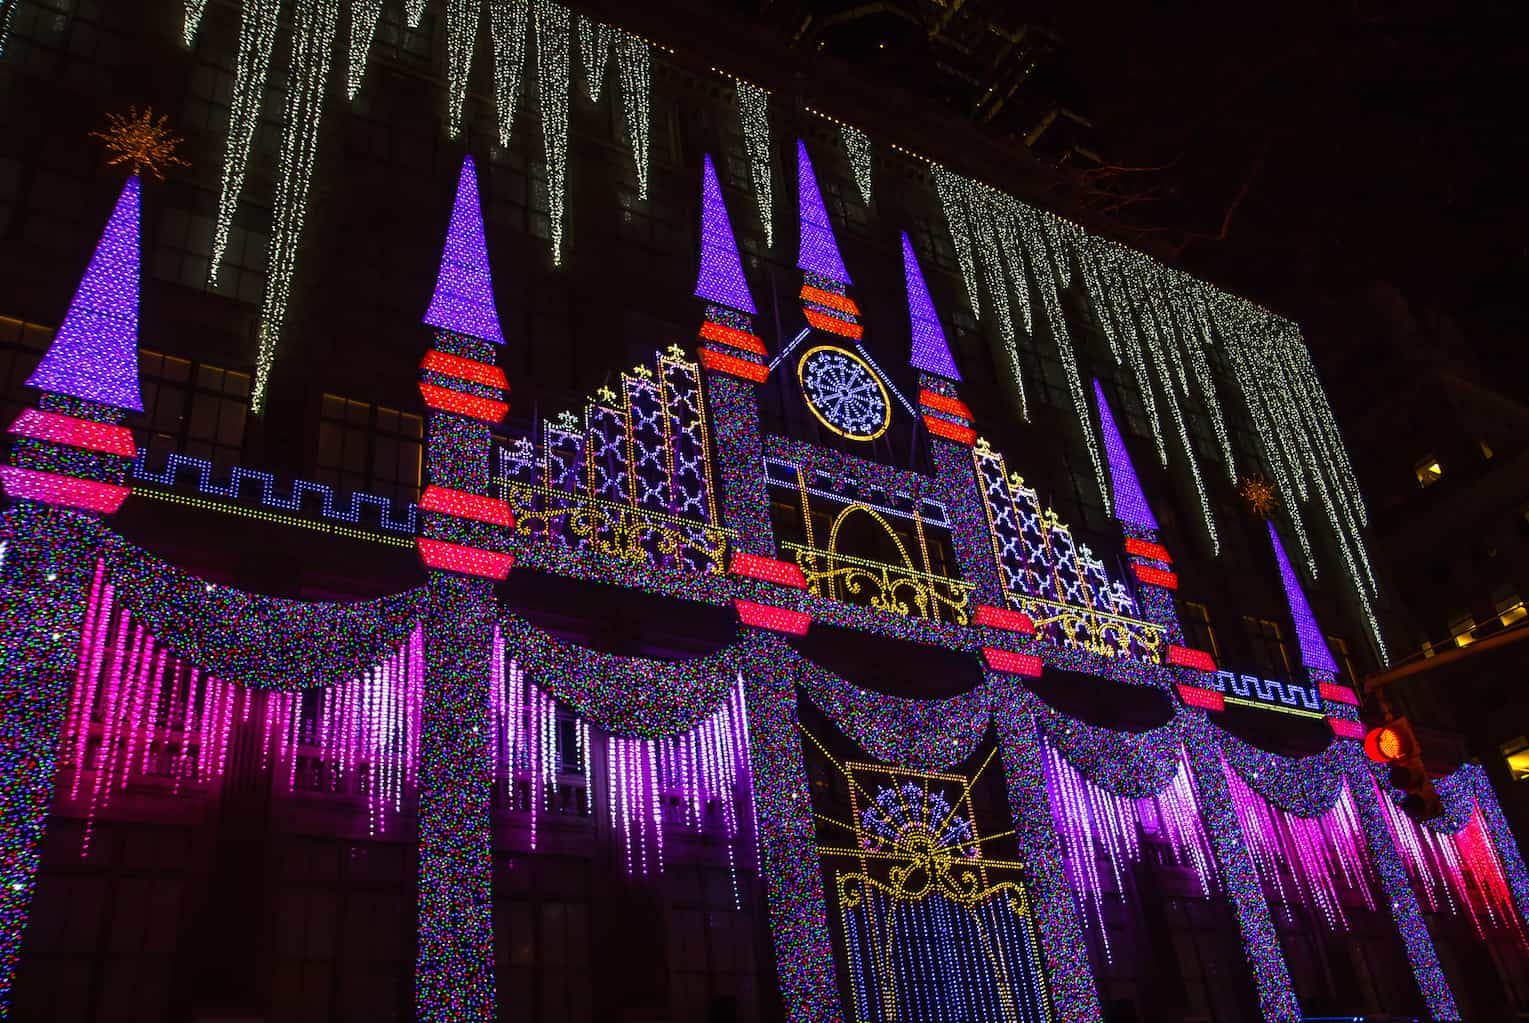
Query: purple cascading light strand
[
  {"x": 463, "y": 301},
  {"x": 819, "y": 251},
  {"x": 153, "y": 714},
  {"x": 94, "y": 355},
  {"x": 1460, "y": 874},
  {"x": 931, "y": 352},
  {"x": 1325, "y": 855},
  {"x": 721, "y": 277},
  {"x": 1125, "y": 489},
  {"x": 1092, "y": 821},
  {"x": 696, "y": 781},
  {"x": 1314, "y": 652}
]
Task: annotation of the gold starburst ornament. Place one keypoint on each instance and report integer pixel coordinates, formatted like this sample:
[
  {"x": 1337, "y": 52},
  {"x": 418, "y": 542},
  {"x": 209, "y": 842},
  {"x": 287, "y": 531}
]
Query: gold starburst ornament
[
  {"x": 1259, "y": 495},
  {"x": 141, "y": 142}
]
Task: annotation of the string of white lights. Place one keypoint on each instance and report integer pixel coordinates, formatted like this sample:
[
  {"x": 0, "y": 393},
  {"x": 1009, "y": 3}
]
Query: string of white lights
[
  {"x": 1087, "y": 255},
  {"x": 414, "y": 10},
  {"x": 1305, "y": 452},
  {"x": 857, "y": 145},
  {"x": 1137, "y": 273},
  {"x": 949, "y": 187},
  {"x": 1111, "y": 262},
  {"x": 552, "y": 86},
  {"x": 257, "y": 37},
  {"x": 363, "y": 26},
  {"x": 595, "y": 42},
  {"x": 634, "y": 60},
  {"x": 1043, "y": 236},
  {"x": 462, "y": 20},
  {"x": 1015, "y": 265},
  {"x": 983, "y": 204},
  {"x": 314, "y": 26},
  {"x": 1200, "y": 340},
  {"x": 194, "y": 11},
  {"x": 754, "y": 114},
  {"x": 508, "y": 23}
]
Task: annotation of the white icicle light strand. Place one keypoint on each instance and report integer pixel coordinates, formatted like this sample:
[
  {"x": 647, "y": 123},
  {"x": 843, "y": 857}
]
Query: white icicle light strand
[
  {"x": 595, "y": 42},
  {"x": 508, "y": 22},
  {"x": 313, "y": 33},
  {"x": 462, "y": 20},
  {"x": 257, "y": 37},
  {"x": 414, "y": 10},
  {"x": 857, "y": 146},
  {"x": 193, "y": 20},
  {"x": 634, "y": 60},
  {"x": 363, "y": 27},
  {"x": 754, "y": 113},
  {"x": 552, "y": 85}
]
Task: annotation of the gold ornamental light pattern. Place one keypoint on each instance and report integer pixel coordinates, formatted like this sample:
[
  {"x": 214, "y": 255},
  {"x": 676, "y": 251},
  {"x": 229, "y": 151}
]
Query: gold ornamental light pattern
[
  {"x": 1258, "y": 495},
  {"x": 934, "y": 924},
  {"x": 141, "y": 142}
]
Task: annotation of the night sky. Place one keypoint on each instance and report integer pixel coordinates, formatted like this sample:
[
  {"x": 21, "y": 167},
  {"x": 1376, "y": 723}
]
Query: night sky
[
  {"x": 1378, "y": 142},
  {"x": 1374, "y": 146}
]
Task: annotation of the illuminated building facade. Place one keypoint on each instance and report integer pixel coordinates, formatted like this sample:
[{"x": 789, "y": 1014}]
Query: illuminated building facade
[{"x": 835, "y": 661}]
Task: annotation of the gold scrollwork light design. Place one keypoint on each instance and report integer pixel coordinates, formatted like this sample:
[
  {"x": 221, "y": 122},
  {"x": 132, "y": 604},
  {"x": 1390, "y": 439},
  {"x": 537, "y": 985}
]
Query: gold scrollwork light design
[
  {"x": 1098, "y": 632},
  {"x": 894, "y": 589},
  {"x": 618, "y": 531}
]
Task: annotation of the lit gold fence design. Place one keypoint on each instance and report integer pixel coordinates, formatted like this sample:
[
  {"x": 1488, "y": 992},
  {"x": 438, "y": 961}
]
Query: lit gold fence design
[{"x": 896, "y": 589}]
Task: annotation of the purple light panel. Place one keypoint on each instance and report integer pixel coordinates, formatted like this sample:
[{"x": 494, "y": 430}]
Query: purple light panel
[
  {"x": 94, "y": 356},
  {"x": 1125, "y": 489},
  {"x": 931, "y": 352},
  {"x": 721, "y": 279},
  {"x": 464, "y": 292},
  {"x": 819, "y": 252},
  {"x": 1314, "y": 652}
]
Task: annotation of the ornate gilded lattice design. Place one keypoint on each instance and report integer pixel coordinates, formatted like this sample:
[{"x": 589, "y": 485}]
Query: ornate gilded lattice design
[
  {"x": 1054, "y": 579},
  {"x": 873, "y": 547},
  {"x": 934, "y": 925},
  {"x": 632, "y": 480}
]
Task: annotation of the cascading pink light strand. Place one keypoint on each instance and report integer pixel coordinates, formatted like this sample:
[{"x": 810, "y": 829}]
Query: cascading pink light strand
[
  {"x": 1093, "y": 822},
  {"x": 1447, "y": 869},
  {"x": 135, "y": 706},
  {"x": 1325, "y": 855}
]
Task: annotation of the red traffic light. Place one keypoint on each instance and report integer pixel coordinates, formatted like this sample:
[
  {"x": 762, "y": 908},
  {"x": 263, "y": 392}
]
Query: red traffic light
[{"x": 1387, "y": 745}]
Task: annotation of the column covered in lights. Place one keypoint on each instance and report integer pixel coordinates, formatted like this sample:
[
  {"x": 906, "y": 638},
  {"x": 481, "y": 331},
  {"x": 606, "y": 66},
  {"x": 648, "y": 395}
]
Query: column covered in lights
[
  {"x": 67, "y": 468},
  {"x": 464, "y": 544}
]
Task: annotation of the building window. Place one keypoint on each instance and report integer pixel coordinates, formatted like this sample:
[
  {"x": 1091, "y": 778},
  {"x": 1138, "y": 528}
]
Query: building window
[
  {"x": 370, "y": 448},
  {"x": 1268, "y": 645},
  {"x": 197, "y": 409},
  {"x": 1462, "y": 627},
  {"x": 1428, "y": 471},
  {"x": 1197, "y": 628},
  {"x": 1516, "y": 753},
  {"x": 1508, "y": 605}
]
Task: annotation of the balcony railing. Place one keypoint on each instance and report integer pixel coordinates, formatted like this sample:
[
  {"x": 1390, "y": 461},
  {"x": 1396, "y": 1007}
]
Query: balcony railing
[{"x": 896, "y": 589}]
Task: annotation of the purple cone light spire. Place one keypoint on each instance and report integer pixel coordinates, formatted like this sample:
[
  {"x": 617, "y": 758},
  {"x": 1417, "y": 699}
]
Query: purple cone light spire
[
  {"x": 1125, "y": 489},
  {"x": 819, "y": 252},
  {"x": 931, "y": 352},
  {"x": 1314, "y": 652},
  {"x": 94, "y": 356},
  {"x": 721, "y": 279},
  {"x": 464, "y": 292}
]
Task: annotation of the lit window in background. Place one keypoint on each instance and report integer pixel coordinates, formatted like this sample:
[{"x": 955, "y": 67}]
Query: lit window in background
[
  {"x": 1516, "y": 753},
  {"x": 1508, "y": 605},
  {"x": 1429, "y": 471},
  {"x": 1460, "y": 627}
]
